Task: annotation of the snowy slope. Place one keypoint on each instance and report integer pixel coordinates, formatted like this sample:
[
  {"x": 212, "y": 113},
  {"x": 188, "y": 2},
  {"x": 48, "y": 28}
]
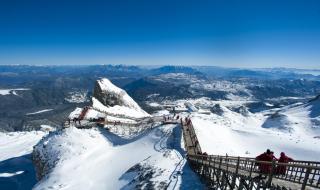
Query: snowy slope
[
  {"x": 98, "y": 159},
  {"x": 289, "y": 129},
  {"x": 298, "y": 118},
  {"x": 15, "y": 144},
  {"x": 231, "y": 128}
]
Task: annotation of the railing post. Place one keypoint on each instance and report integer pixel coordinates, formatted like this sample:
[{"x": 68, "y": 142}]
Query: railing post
[
  {"x": 219, "y": 171},
  {"x": 209, "y": 169},
  {"x": 202, "y": 165},
  {"x": 241, "y": 183},
  {"x": 235, "y": 174},
  {"x": 227, "y": 162},
  {"x": 306, "y": 177},
  {"x": 252, "y": 165},
  {"x": 271, "y": 173},
  {"x": 220, "y": 163}
]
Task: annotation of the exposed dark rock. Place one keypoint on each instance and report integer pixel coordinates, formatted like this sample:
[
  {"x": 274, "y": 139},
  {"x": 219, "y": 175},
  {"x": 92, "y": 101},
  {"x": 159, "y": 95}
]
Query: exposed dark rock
[
  {"x": 216, "y": 109},
  {"x": 107, "y": 97},
  {"x": 242, "y": 110}
]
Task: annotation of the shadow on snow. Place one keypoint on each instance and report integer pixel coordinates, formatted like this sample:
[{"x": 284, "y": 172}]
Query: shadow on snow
[{"x": 17, "y": 173}]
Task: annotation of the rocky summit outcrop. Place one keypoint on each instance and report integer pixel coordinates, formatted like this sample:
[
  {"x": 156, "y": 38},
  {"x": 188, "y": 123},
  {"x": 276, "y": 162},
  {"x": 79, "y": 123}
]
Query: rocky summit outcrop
[
  {"x": 112, "y": 100},
  {"x": 243, "y": 110},
  {"x": 110, "y": 95}
]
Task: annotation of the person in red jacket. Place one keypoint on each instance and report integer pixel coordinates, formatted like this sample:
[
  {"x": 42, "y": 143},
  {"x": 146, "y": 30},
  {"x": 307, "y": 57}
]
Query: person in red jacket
[
  {"x": 281, "y": 169},
  {"x": 267, "y": 157}
]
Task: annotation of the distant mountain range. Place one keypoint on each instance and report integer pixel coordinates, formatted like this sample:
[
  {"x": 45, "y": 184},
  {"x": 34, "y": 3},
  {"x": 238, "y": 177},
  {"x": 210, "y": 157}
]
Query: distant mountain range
[{"x": 62, "y": 88}]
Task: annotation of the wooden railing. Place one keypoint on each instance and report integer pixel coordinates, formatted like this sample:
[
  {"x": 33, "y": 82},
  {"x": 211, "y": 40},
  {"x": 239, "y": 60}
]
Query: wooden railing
[
  {"x": 117, "y": 115},
  {"x": 229, "y": 172},
  {"x": 245, "y": 173},
  {"x": 190, "y": 138}
]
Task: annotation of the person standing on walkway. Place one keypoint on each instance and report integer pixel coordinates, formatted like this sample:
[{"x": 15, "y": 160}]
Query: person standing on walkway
[
  {"x": 281, "y": 169},
  {"x": 265, "y": 168}
]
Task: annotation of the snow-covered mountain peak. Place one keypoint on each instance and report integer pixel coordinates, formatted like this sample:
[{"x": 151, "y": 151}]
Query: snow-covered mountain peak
[
  {"x": 106, "y": 85},
  {"x": 111, "y": 99},
  {"x": 110, "y": 95}
]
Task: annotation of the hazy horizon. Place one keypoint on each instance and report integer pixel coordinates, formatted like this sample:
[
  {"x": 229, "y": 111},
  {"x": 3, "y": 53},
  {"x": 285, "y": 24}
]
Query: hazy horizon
[{"x": 158, "y": 66}]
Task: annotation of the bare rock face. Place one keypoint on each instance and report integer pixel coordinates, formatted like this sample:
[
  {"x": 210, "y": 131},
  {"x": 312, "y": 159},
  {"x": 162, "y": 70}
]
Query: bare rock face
[
  {"x": 242, "y": 110},
  {"x": 110, "y": 95},
  {"x": 107, "y": 97},
  {"x": 217, "y": 109},
  {"x": 39, "y": 165},
  {"x": 42, "y": 160}
]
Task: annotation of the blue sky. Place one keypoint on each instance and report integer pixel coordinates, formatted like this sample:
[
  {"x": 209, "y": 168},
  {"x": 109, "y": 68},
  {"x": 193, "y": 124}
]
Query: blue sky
[{"x": 240, "y": 33}]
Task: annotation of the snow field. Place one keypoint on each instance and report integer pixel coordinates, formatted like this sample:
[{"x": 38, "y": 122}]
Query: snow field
[
  {"x": 15, "y": 144},
  {"x": 237, "y": 135},
  {"x": 11, "y": 91},
  {"x": 96, "y": 159}
]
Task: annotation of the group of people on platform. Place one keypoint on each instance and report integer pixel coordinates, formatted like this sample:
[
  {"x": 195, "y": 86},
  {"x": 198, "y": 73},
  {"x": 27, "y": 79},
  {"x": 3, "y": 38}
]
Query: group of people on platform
[
  {"x": 74, "y": 120},
  {"x": 174, "y": 117},
  {"x": 78, "y": 119},
  {"x": 268, "y": 156},
  {"x": 185, "y": 120}
]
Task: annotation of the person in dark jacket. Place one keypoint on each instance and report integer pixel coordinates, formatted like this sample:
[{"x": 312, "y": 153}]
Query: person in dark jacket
[{"x": 281, "y": 169}]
